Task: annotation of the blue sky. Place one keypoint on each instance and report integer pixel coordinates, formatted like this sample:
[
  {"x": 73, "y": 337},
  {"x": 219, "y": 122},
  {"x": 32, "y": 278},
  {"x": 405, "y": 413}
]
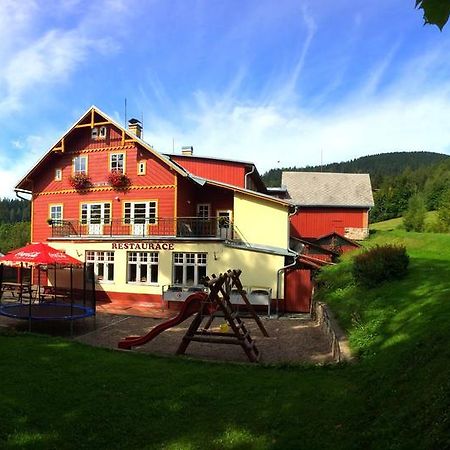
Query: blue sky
[{"x": 273, "y": 82}]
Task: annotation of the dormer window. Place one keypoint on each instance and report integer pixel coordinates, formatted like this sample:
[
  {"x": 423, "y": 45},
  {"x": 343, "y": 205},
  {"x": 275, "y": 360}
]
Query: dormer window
[
  {"x": 58, "y": 174},
  {"x": 94, "y": 133}
]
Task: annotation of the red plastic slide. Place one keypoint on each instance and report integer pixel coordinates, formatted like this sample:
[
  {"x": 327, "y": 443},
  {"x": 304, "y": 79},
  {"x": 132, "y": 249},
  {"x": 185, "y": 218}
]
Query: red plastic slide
[{"x": 191, "y": 306}]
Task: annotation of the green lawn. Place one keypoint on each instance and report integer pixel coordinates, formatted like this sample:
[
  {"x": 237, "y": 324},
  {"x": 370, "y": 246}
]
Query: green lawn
[
  {"x": 61, "y": 394},
  {"x": 392, "y": 224}
]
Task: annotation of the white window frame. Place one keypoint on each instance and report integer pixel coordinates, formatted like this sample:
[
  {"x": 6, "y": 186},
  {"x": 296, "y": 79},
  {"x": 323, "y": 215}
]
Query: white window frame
[
  {"x": 54, "y": 214},
  {"x": 103, "y": 262},
  {"x": 58, "y": 174},
  {"x": 201, "y": 208},
  {"x": 94, "y": 133},
  {"x": 77, "y": 161},
  {"x": 189, "y": 259},
  {"x": 102, "y": 132},
  {"x": 114, "y": 166},
  {"x": 105, "y": 213},
  {"x": 142, "y": 167},
  {"x": 140, "y": 259},
  {"x": 151, "y": 212}
]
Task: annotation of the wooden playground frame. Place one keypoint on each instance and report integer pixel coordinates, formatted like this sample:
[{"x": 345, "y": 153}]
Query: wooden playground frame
[{"x": 218, "y": 303}]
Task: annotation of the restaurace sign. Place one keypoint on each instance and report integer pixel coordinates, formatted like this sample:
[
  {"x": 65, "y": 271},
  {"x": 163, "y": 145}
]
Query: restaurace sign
[{"x": 142, "y": 246}]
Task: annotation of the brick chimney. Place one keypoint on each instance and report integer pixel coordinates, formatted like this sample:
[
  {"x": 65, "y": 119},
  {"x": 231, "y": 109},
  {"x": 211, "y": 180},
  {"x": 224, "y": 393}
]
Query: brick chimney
[
  {"x": 135, "y": 127},
  {"x": 187, "y": 150}
]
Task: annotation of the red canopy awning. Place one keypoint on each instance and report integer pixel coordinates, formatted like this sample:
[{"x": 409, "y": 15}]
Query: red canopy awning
[{"x": 38, "y": 254}]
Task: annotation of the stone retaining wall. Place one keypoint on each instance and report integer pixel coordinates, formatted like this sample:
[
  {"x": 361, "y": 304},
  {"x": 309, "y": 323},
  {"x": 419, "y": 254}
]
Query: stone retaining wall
[{"x": 338, "y": 340}]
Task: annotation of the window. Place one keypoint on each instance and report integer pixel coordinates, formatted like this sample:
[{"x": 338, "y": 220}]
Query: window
[
  {"x": 102, "y": 133},
  {"x": 203, "y": 210},
  {"x": 142, "y": 267},
  {"x": 95, "y": 213},
  {"x": 56, "y": 213},
  {"x": 140, "y": 212},
  {"x": 58, "y": 174},
  {"x": 103, "y": 263},
  {"x": 94, "y": 133},
  {"x": 189, "y": 268},
  {"x": 80, "y": 164},
  {"x": 141, "y": 167},
  {"x": 116, "y": 162}
]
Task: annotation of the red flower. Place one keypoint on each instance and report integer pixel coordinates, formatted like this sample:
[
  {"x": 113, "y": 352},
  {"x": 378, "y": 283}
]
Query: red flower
[
  {"x": 118, "y": 180},
  {"x": 80, "y": 181}
]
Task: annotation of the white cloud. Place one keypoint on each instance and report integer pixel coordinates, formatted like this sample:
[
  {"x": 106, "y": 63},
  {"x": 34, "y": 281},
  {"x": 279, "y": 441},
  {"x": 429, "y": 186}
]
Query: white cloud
[
  {"x": 49, "y": 60},
  {"x": 28, "y": 151},
  {"x": 268, "y": 134},
  {"x": 34, "y": 58}
]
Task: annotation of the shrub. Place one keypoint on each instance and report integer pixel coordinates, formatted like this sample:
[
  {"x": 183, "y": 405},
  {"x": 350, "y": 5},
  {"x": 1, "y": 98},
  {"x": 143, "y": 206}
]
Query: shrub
[
  {"x": 414, "y": 217},
  {"x": 443, "y": 212},
  {"x": 379, "y": 264}
]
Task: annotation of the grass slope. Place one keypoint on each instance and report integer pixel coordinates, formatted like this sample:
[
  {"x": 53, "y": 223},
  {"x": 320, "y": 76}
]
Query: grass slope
[
  {"x": 400, "y": 331},
  {"x": 397, "y": 223},
  {"x": 61, "y": 394}
]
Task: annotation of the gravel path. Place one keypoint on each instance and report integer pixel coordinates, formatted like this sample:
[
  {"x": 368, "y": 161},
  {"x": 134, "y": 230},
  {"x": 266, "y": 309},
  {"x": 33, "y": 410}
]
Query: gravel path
[{"x": 291, "y": 340}]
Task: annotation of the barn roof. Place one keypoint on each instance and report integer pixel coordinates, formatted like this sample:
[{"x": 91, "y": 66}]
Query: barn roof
[{"x": 351, "y": 190}]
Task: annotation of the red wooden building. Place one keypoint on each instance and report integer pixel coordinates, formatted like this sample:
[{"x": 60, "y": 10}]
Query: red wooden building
[
  {"x": 237, "y": 173},
  {"x": 329, "y": 202},
  {"x": 152, "y": 225}
]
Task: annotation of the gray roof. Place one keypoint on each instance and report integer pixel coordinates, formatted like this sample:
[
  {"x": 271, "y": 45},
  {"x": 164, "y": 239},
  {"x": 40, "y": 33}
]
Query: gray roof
[{"x": 329, "y": 189}]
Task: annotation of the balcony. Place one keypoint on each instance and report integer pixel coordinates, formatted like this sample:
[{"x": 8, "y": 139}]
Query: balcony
[{"x": 181, "y": 227}]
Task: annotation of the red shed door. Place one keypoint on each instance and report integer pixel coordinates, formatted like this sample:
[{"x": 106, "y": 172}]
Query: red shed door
[{"x": 297, "y": 290}]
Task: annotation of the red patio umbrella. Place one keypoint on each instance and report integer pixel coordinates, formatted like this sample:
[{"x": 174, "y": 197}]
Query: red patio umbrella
[{"x": 36, "y": 255}]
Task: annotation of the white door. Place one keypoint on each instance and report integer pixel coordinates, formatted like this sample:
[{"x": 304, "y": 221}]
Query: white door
[
  {"x": 95, "y": 219},
  {"x": 139, "y": 214},
  {"x": 224, "y": 224},
  {"x": 95, "y": 215}
]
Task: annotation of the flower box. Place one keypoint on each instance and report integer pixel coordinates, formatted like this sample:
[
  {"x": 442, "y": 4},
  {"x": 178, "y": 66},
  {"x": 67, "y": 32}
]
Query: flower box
[
  {"x": 118, "y": 180},
  {"x": 80, "y": 181}
]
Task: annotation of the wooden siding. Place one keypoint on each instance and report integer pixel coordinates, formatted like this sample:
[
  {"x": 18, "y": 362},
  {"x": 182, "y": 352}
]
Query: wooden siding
[
  {"x": 315, "y": 222},
  {"x": 156, "y": 184},
  {"x": 189, "y": 196},
  {"x": 72, "y": 206},
  {"x": 223, "y": 171},
  {"x": 97, "y": 153}
]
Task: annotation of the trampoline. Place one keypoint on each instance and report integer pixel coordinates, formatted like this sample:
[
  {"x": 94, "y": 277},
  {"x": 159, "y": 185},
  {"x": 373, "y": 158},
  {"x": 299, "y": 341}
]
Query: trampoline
[
  {"x": 46, "y": 311},
  {"x": 72, "y": 299}
]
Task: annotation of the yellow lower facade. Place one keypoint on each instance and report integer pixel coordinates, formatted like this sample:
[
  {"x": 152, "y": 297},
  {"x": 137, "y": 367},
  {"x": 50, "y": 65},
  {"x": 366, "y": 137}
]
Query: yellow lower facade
[{"x": 259, "y": 269}]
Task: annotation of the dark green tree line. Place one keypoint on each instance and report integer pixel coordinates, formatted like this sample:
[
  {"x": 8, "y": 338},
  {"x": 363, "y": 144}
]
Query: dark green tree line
[
  {"x": 14, "y": 210},
  {"x": 14, "y": 235}
]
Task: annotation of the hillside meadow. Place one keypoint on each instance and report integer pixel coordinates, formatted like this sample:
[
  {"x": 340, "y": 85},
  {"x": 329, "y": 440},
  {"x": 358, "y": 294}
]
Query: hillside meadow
[{"x": 61, "y": 394}]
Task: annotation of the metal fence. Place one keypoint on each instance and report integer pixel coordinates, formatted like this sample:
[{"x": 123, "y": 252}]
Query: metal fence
[{"x": 145, "y": 227}]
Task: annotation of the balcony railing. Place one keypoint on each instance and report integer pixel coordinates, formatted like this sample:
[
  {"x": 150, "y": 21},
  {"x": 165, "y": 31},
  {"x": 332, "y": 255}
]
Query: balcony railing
[{"x": 185, "y": 227}]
